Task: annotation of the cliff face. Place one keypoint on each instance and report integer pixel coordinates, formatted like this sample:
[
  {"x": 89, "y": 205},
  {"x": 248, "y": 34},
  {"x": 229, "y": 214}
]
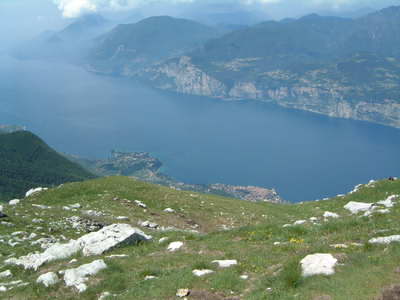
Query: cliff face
[{"x": 327, "y": 91}]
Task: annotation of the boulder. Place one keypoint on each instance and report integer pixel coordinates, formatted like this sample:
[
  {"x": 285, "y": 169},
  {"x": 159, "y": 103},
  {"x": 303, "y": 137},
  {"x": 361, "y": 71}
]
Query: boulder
[
  {"x": 14, "y": 202},
  {"x": 35, "y": 191},
  {"x": 356, "y": 207},
  {"x": 225, "y": 263},
  {"x": 388, "y": 202},
  {"x": 329, "y": 214},
  {"x": 318, "y": 264},
  {"x": 200, "y": 273},
  {"x": 48, "y": 279},
  {"x": 300, "y": 222},
  {"x": 140, "y": 204},
  {"x": 385, "y": 240},
  {"x": 5, "y": 274},
  {"x": 94, "y": 243},
  {"x": 174, "y": 246},
  {"x": 78, "y": 276}
]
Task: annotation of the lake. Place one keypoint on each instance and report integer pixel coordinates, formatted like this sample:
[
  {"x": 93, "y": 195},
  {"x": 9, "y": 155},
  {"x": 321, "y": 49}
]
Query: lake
[{"x": 302, "y": 155}]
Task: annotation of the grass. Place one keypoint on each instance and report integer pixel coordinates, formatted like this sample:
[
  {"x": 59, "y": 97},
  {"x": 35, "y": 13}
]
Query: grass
[{"x": 255, "y": 227}]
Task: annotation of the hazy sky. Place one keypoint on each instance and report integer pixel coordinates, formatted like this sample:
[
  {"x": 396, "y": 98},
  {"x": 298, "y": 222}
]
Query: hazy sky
[{"x": 23, "y": 19}]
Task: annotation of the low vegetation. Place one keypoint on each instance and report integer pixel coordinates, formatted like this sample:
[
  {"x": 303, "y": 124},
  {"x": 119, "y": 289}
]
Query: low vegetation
[{"x": 211, "y": 228}]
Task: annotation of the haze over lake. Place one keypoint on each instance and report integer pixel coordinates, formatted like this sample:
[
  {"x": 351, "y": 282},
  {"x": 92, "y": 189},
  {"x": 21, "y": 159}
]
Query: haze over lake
[{"x": 302, "y": 155}]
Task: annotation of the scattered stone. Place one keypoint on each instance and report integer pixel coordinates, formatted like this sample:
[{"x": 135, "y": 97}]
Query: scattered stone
[
  {"x": 122, "y": 218},
  {"x": 329, "y": 214},
  {"x": 385, "y": 240},
  {"x": 356, "y": 207},
  {"x": 169, "y": 210},
  {"x": 78, "y": 276},
  {"x": 225, "y": 263},
  {"x": 106, "y": 295},
  {"x": 244, "y": 277},
  {"x": 3, "y": 289},
  {"x": 35, "y": 191},
  {"x": 377, "y": 211},
  {"x": 162, "y": 240},
  {"x": 93, "y": 213},
  {"x": 313, "y": 219},
  {"x": 200, "y": 273},
  {"x": 86, "y": 225},
  {"x": 140, "y": 204},
  {"x": 2, "y": 214},
  {"x": 75, "y": 206},
  {"x": 318, "y": 264},
  {"x": 150, "y": 277},
  {"x": 340, "y": 246},
  {"x": 183, "y": 293},
  {"x": 174, "y": 246},
  {"x": 149, "y": 224},
  {"x": 117, "y": 256},
  {"x": 72, "y": 261},
  {"x": 287, "y": 225},
  {"x": 300, "y": 222},
  {"x": 14, "y": 202},
  {"x": 41, "y": 206},
  {"x": 48, "y": 279},
  {"x": 5, "y": 274},
  {"x": 94, "y": 243}
]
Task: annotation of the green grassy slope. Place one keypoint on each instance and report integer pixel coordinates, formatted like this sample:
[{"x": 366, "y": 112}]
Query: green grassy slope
[
  {"x": 27, "y": 162},
  {"x": 251, "y": 229}
]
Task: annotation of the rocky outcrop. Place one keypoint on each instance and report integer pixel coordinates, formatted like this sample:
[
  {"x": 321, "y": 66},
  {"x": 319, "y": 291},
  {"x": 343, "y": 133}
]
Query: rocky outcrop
[
  {"x": 94, "y": 243},
  {"x": 184, "y": 77},
  {"x": 314, "y": 91}
]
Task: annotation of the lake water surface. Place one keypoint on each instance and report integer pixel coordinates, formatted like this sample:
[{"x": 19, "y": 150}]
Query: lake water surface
[{"x": 200, "y": 140}]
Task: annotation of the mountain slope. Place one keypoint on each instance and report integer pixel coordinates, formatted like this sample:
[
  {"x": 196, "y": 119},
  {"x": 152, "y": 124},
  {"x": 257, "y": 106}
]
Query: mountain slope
[
  {"x": 146, "y": 42},
  {"x": 27, "y": 162},
  {"x": 268, "y": 252},
  {"x": 339, "y": 67}
]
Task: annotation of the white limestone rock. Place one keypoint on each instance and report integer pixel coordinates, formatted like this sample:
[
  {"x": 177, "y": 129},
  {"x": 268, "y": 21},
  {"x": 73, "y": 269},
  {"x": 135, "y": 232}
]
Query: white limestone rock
[
  {"x": 48, "y": 279},
  {"x": 109, "y": 237},
  {"x": 3, "y": 289},
  {"x": 140, "y": 204},
  {"x": 318, "y": 264},
  {"x": 169, "y": 210},
  {"x": 79, "y": 276},
  {"x": 200, "y": 273},
  {"x": 14, "y": 202},
  {"x": 35, "y": 191},
  {"x": 385, "y": 240},
  {"x": 94, "y": 243},
  {"x": 300, "y": 222},
  {"x": 357, "y": 207},
  {"x": 329, "y": 214},
  {"x": 174, "y": 246},
  {"x": 163, "y": 239},
  {"x": 148, "y": 224},
  {"x": 388, "y": 202},
  {"x": 5, "y": 274},
  {"x": 225, "y": 263}
]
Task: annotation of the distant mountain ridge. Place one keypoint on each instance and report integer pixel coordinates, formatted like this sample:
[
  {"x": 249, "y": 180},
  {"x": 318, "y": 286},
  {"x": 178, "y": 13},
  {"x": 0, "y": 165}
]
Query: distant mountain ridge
[
  {"x": 27, "y": 162},
  {"x": 152, "y": 40}
]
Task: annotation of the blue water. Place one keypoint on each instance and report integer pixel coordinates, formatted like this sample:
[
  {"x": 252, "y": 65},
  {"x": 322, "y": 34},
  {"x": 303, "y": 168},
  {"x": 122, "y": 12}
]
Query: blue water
[{"x": 302, "y": 155}]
